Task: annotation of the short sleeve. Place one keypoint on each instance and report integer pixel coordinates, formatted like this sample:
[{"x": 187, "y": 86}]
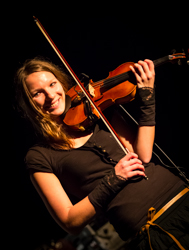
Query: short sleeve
[{"x": 38, "y": 159}]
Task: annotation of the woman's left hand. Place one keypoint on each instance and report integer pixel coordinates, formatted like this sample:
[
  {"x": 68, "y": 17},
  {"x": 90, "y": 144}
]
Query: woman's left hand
[{"x": 144, "y": 73}]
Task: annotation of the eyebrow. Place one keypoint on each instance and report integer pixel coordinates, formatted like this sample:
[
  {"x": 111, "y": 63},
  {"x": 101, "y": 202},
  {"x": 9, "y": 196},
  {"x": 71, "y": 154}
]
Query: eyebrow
[{"x": 37, "y": 89}]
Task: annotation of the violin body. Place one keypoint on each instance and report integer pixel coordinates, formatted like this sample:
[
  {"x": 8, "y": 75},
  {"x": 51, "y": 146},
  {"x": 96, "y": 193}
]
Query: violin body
[
  {"x": 119, "y": 87},
  {"x": 103, "y": 95}
]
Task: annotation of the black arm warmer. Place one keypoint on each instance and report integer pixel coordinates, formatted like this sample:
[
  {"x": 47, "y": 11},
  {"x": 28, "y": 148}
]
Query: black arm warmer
[
  {"x": 106, "y": 190},
  {"x": 146, "y": 106}
]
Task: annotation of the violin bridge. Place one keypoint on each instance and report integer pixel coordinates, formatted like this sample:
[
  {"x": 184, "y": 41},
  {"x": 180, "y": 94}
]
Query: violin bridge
[{"x": 91, "y": 90}]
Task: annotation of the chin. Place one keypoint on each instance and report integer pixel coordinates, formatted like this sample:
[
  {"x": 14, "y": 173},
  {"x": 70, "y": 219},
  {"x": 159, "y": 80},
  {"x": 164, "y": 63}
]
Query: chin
[{"x": 57, "y": 113}]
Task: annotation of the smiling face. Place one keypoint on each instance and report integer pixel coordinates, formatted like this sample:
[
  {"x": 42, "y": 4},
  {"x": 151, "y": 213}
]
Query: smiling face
[{"x": 47, "y": 92}]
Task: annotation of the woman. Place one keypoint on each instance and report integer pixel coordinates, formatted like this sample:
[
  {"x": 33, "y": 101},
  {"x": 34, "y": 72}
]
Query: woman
[{"x": 81, "y": 174}]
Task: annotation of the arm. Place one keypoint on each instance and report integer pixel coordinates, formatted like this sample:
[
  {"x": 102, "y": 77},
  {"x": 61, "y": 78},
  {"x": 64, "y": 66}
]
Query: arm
[
  {"x": 73, "y": 218},
  {"x": 145, "y": 77},
  {"x": 142, "y": 142}
]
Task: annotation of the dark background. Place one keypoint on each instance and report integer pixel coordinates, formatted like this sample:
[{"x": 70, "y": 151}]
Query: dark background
[{"x": 94, "y": 40}]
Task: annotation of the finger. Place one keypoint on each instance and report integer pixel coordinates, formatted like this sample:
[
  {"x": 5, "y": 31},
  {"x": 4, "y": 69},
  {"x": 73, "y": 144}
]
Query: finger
[
  {"x": 135, "y": 173},
  {"x": 130, "y": 156},
  {"x": 145, "y": 67},
  {"x": 138, "y": 78},
  {"x": 141, "y": 69},
  {"x": 150, "y": 65},
  {"x": 134, "y": 161},
  {"x": 135, "y": 167},
  {"x": 149, "y": 73},
  {"x": 149, "y": 69}
]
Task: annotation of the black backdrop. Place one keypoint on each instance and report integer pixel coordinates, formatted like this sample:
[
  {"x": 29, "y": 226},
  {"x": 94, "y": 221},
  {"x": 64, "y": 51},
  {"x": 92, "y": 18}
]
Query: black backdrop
[{"x": 94, "y": 40}]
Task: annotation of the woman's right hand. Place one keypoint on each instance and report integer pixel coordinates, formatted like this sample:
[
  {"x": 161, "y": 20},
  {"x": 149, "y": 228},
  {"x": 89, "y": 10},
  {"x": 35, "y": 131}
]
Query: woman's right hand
[{"x": 130, "y": 166}]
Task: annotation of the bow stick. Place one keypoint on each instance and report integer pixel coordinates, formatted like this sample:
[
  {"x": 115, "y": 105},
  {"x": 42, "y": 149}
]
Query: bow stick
[{"x": 74, "y": 76}]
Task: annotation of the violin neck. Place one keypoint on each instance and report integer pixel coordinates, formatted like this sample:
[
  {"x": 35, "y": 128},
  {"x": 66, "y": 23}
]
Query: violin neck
[
  {"x": 162, "y": 60},
  {"x": 115, "y": 80}
]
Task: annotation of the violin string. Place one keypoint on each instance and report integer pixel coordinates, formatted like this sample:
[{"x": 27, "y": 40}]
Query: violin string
[
  {"x": 125, "y": 76},
  {"x": 110, "y": 81}
]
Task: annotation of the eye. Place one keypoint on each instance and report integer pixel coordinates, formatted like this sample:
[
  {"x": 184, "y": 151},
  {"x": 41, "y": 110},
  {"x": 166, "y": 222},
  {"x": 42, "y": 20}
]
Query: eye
[
  {"x": 52, "y": 84},
  {"x": 36, "y": 94}
]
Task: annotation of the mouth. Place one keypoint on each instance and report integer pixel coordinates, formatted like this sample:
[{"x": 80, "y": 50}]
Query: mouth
[{"x": 52, "y": 106}]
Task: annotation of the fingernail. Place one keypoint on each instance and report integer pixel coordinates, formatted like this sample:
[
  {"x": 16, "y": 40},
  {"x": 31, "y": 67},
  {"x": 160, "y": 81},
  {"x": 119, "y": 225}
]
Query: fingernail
[{"x": 146, "y": 177}]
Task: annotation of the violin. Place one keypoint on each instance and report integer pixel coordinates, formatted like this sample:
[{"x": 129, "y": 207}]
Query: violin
[
  {"x": 118, "y": 88},
  {"x": 87, "y": 105}
]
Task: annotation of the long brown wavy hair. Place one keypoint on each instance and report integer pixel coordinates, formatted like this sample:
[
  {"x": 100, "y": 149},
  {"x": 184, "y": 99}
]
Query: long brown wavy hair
[{"x": 51, "y": 132}]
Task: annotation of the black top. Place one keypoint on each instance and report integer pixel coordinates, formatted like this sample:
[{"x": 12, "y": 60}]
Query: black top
[{"x": 79, "y": 171}]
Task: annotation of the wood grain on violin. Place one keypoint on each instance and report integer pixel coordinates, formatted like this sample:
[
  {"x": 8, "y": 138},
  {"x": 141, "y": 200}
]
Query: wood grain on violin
[
  {"x": 87, "y": 104},
  {"x": 119, "y": 87}
]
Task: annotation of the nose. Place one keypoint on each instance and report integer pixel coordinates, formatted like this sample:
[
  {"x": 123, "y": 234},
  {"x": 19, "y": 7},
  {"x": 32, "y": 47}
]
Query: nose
[{"x": 49, "y": 95}]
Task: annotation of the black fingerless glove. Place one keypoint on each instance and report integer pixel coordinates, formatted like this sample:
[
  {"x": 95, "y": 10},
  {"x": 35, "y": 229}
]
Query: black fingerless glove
[
  {"x": 146, "y": 106},
  {"x": 106, "y": 190}
]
